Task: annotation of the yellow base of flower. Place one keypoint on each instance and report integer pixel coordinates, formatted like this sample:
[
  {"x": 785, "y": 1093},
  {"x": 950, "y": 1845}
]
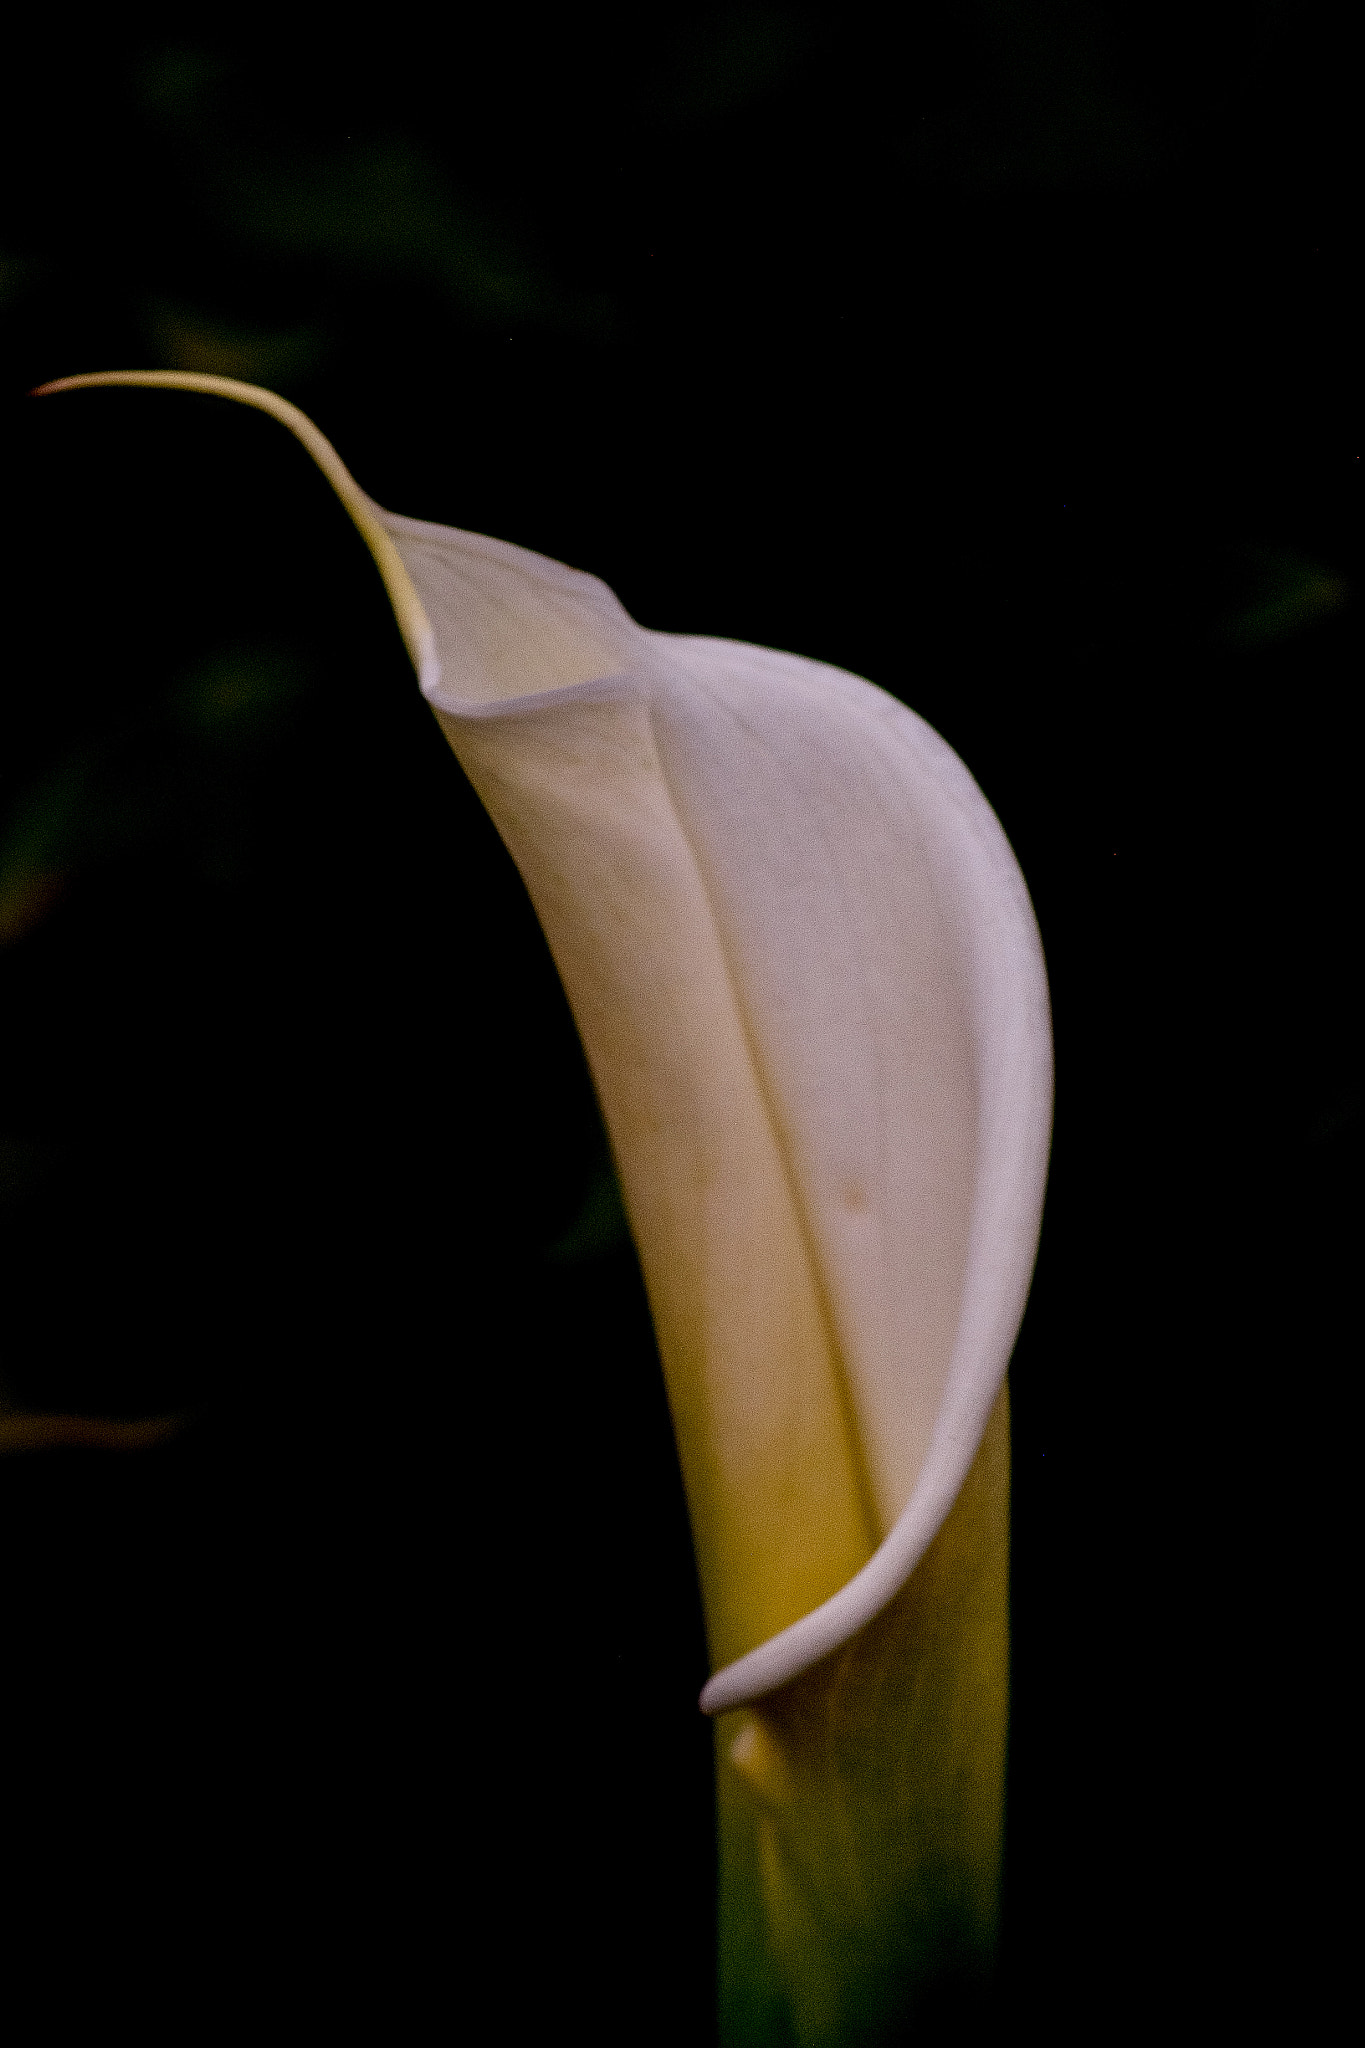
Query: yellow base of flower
[{"x": 861, "y": 1806}]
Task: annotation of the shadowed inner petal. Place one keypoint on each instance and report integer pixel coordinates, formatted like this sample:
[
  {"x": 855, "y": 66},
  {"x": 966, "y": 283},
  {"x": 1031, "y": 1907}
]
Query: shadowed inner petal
[{"x": 769, "y": 1458}]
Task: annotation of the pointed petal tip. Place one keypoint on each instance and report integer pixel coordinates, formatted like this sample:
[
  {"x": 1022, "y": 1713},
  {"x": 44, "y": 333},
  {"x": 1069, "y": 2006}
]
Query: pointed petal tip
[
  {"x": 173, "y": 380},
  {"x": 365, "y": 515}
]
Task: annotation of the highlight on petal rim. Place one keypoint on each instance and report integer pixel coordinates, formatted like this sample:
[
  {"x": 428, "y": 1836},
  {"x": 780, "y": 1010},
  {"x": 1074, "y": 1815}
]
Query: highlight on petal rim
[{"x": 811, "y": 990}]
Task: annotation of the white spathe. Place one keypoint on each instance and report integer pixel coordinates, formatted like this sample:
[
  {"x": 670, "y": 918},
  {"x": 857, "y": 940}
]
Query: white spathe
[{"x": 810, "y": 986}]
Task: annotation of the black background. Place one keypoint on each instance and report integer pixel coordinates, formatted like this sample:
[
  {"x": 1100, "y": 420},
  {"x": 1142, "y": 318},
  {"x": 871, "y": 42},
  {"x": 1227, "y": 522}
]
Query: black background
[{"x": 999, "y": 355}]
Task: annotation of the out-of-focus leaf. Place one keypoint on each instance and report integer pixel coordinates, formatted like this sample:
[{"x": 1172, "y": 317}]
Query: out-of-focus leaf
[
  {"x": 189, "y": 339},
  {"x": 378, "y": 206},
  {"x": 16, "y": 275},
  {"x": 240, "y": 695},
  {"x": 1273, "y": 593},
  {"x": 599, "y": 1225},
  {"x": 159, "y": 775},
  {"x": 1070, "y": 96},
  {"x": 722, "y": 62}
]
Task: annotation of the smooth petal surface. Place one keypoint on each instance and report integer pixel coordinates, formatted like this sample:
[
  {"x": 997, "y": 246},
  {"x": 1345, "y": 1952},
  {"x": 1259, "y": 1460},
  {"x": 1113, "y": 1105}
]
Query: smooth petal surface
[
  {"x": 811, "y": 991},
  {"x": 843, "y": 932}
]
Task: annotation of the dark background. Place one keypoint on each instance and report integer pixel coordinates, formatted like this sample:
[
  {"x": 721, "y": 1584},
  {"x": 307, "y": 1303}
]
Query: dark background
[{"x": 997, "y": 353}]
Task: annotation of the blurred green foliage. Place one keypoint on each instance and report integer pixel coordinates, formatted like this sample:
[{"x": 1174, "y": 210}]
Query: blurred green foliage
[{"x": 259, "y": 201}]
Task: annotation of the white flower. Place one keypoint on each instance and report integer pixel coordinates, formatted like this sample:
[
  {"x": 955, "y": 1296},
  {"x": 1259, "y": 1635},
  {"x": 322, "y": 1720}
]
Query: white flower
[{"x": 810, "y": 987}]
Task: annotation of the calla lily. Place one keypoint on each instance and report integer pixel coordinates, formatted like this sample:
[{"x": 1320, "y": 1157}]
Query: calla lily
[{"x": 810, "y": 986}]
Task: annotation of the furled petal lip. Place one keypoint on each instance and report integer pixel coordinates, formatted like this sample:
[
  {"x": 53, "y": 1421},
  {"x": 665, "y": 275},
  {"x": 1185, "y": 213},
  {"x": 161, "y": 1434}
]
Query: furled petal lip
[
  {"x": 1011, "y": 1019},
  {"x": 1011, "y": 1015}
]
